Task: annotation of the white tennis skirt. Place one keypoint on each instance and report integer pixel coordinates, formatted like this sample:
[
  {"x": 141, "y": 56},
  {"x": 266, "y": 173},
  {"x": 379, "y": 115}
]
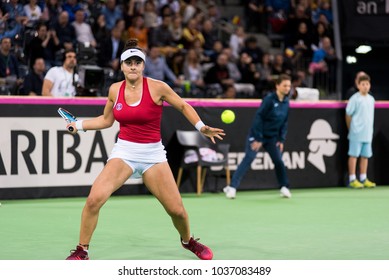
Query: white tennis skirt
[{"x": 139, "y": 152}]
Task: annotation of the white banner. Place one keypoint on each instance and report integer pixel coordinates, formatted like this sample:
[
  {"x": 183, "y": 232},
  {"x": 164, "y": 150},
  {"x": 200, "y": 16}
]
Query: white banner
[
  {"x": 197, "y": 270},
  {"x": 39, "y": 152}
]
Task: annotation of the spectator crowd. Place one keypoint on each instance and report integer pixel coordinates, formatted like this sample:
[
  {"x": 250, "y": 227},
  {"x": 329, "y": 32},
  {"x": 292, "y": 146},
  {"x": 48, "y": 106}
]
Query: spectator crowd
[{"x": 189, "y": 44}]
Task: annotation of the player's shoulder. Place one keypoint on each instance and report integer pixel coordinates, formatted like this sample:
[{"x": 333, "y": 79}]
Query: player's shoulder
[
  {"x": 114, "y": 89},
  {"x": 155, "y": 82},
  {"x": 156, "y": 85}
]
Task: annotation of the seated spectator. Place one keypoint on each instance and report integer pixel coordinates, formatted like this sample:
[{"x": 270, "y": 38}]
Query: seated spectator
[
  {"x": 249, "y": 74},
  {"x": 16, "y": 14},
  {"x": 255, "y": 16},
  {"x": 322, "y": 56},
  {"x": 237, "y": 40},
  {"x": 83, "y": 30},
  {"x": 325, "y": 10},
  {"x": 301, "y": 42},
  {"x": 212, "y": 55},
  {"x": 324, "y": 61},
  {"x": 112, "y": 13},
  {"x": 157, "y": 68},
  {"x": 210, "y": 34},
  {"x": 217, "y": 78},
  {"x": 232, "y": 65},
  {"x": 265, "y": 71},
  {"x": 100, "y": 30},
  {"x": 211, "y": 12},
  {"x": 193, "y": 72},
  {"x": 139, "y": 31},
  {"x": 189, "y": 10},
  {"x": 162, "y": 37},
  {"x": 44, "y": 45},
  {"x": 121, "y": 24},
  {"x": 176, "y": 30},
  {"x": 278, "y": 6},
  {"x": 6, "y": 30},
  {"x": 298, "y": 16},
  {"x": 33, "y": 12},
  {"x": 252, "y": 49},
  {"x": 65, "y": 32},
  {"x": 33, "y": 82},
  {"x": 71, "y": 6},
  {"x": 51, "y": 12},
  {"x": 280, "y": 66},
  {"x": 15, "y": 17},
  {"x": 61, "y": 81},
  {"x": 9, "y": 66},
  {"x": 242, "y": 88},
  {"x": 191, "y": 33},
  {"x": 297, "y": 82},
  {"x": 278, "y": 11},
  {"x": 176, "y": 63},
  {"x": 174, "y": 6},
  {"x": 150, "y": 15},
  {"x": 320, "y": 31},
  {"x": 92, "y": 9},
  {"x": 111, "y": 49}
]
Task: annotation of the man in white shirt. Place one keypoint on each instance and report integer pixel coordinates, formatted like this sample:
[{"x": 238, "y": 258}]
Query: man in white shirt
[{"x": 60, "y": 80}]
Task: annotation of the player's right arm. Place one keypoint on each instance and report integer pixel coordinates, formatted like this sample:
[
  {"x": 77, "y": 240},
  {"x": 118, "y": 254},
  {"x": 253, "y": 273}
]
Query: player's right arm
[{"x": 106, "y": 119}]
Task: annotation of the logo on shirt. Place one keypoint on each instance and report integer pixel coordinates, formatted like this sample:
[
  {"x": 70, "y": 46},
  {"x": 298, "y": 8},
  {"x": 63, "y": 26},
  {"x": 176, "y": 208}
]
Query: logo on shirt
[
  {"x": 119, "y": 106},
  {"x": 321, "y": 144}
]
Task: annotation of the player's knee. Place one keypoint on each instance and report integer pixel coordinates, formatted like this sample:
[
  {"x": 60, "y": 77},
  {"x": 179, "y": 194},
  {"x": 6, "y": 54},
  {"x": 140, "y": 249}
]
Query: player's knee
[
  {"x": 94, "y": 203},
  {"x": 177, "y": 212}
]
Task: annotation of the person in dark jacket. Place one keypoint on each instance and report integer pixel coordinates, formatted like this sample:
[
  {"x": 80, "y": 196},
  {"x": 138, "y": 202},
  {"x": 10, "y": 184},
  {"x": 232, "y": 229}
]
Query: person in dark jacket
[
  {"x": 268, "y": 130},
  {"x": 33, "y": 82}
]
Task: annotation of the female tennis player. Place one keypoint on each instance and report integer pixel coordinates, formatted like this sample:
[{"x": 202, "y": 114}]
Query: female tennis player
[{"x": 136, "y": 103}]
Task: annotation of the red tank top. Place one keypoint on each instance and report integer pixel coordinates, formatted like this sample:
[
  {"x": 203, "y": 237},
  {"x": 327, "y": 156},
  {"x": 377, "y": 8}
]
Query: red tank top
[{"x": 140, "y": 123}]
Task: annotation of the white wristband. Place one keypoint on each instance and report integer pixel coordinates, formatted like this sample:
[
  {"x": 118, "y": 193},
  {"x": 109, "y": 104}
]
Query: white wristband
[
  {"x": 79, "y": 125},
  {"x": 199, "y": 125}
]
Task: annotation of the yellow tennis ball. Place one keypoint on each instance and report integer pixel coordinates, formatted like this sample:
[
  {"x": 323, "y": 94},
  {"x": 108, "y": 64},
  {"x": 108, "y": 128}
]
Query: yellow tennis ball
[{"x": 228, "y": 116}]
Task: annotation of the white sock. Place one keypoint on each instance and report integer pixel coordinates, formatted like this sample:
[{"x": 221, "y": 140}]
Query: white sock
[
  {"x": 352, "y": 177},
  {"x": 362, "y": 177}
]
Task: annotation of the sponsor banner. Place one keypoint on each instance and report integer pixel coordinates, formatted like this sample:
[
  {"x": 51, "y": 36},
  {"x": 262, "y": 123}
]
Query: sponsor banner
[
  {"x": 315, "y": 151},
  {"x": 39, "y": 152},
  {"x": 359, "y": 18}
]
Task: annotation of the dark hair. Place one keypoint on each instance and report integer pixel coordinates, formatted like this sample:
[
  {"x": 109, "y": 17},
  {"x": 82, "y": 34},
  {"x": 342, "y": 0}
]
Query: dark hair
[
  {"x": 132, "y": 43},
  {"x": 40, "y": 24},
  {"x": 281, "y": 78},
  {"x": 363, "y": 78},
  {"x": 66, "y": 52}
]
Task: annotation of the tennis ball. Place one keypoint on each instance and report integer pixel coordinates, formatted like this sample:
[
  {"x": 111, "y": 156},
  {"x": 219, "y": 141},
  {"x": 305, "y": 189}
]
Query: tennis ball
[{"x": 228, "y": 116}]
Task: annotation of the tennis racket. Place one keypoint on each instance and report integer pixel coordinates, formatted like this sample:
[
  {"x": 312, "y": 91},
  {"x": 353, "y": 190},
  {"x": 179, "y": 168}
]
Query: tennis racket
[{"x": 67, "y": 116}]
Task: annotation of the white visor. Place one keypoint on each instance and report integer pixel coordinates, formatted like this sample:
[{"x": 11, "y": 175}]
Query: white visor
[{"x": 131, "y": 53}]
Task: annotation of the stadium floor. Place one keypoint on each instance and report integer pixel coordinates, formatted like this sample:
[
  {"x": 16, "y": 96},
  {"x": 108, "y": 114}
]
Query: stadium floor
[{"x": 316, "y": 224}]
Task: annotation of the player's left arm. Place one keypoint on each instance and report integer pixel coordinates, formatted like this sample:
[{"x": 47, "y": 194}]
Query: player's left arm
[{"x": 165, "y": 93}]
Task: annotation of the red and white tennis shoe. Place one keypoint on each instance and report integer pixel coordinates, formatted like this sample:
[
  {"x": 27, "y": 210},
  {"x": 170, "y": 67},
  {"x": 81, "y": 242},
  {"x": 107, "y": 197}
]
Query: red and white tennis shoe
[
  {"x": 200, "y": 250},
  {"x": 78, "y": 255}
]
